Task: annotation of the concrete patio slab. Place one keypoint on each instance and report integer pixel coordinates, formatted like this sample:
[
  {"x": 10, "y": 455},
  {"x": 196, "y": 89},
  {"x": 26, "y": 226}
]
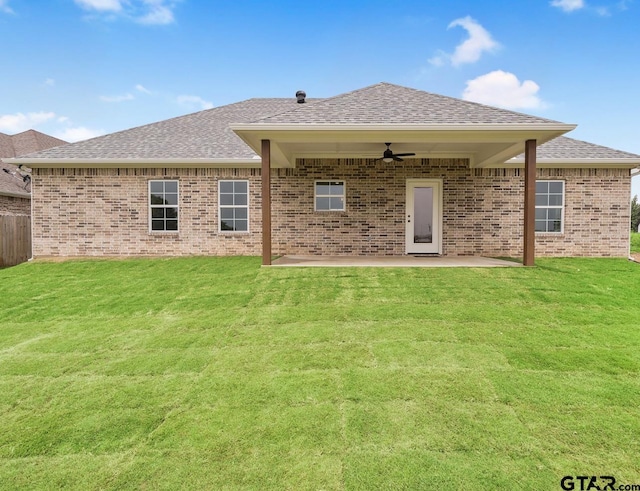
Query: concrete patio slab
[{"x": 394, "y": 262}]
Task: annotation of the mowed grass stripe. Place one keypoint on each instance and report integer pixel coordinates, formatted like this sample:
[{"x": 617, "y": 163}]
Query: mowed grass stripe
[{"x": 214, "y": 373}]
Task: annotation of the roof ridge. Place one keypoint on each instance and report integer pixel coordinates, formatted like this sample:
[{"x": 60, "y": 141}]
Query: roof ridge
[
  {"x": 416, "y": 104},
  {"x": 298, "y": 107},
  {"x": 320, "y": 101},
  {"x": 465, "y": 101}
]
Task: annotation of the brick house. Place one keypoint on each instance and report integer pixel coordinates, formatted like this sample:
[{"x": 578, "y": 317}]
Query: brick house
[{"x": 293, "y": 176}]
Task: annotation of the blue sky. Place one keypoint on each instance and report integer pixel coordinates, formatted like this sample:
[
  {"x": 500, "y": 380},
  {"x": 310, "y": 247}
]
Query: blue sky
[{"x": 82, "y": 68}]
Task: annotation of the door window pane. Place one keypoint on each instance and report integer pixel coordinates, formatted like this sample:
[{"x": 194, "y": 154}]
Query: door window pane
[{"x": 423, "y": 215}]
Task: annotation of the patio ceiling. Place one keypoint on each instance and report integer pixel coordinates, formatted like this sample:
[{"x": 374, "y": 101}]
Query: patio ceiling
[{"x": 484, "y": 145}]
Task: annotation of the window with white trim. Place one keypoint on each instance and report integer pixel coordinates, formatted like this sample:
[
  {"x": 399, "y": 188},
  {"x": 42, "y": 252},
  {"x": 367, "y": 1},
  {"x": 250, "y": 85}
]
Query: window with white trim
[
  {"x": 330, "y": 196},
  {"x": 163, "y": 206},
  {"x": 233, "y": 206},
  {"x": 550, "y": 206}
]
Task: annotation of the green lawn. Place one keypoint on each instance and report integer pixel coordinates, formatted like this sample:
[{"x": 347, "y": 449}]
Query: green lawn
[
  {"x": 635, "y": 242},
  {"x": 214, "y": 373}
]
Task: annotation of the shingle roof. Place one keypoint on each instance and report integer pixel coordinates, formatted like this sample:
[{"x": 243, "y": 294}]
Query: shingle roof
[
  {"x": 388, "y": 103},
  {"x": 6, "y": 146},
  {"x": 26, "y": 142},
  {"x": 207, "y": 134},
  {"x": 17, "y": 145},
  {"x": 33, "y": 141},
  {"x": 11, "y": 182},
  {"x": 202, "y": 135},
  {"x": 563, "y": 147}
]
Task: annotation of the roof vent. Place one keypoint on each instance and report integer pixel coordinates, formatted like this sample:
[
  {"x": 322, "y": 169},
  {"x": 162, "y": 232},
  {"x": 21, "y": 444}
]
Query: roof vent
[{"x": 300, "y": 95}]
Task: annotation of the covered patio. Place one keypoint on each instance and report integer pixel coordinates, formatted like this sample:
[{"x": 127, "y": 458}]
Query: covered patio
[{"x": 356, "y": 125}]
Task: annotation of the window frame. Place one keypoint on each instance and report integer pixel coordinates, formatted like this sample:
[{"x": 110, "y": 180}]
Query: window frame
[
  {"x": 560, "y": 207},
  {"x": 152, "y": 206},
  {"x": 234, "y": 206},
  {"x": 329, "y": 182}
]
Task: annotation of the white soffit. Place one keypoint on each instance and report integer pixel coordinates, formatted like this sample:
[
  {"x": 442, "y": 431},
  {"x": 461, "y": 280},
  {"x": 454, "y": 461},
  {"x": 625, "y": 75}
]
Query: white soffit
[{"x": 485, "y": 145}]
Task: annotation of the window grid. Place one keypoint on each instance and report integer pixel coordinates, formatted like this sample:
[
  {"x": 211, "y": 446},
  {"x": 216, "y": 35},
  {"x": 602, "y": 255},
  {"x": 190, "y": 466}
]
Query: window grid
[
  {"x": 549, "y": 206},
  {"x": 233, "y": 206},
  {"x": 330, "y": 196},
  {"x": 163, "y": 206}
]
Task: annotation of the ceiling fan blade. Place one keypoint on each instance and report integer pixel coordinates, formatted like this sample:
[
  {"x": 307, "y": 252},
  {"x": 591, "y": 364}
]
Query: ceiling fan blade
[
  {"x": 397, "y": 159},
  {"x": 404, "y": 154}
]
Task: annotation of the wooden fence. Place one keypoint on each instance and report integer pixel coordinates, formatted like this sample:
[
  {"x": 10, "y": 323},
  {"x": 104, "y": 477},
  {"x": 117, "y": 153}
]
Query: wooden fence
[{"x": 15, "y": 239}]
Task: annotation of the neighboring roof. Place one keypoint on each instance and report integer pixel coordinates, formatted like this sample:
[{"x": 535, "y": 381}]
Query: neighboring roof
[
  {"x": 6, "y": 146},
  {"x": 11, "y": 178},
  {"x": 388, "y": 103},
  {"x": 353, "y": 124},
  {"x": 12, "y": 183},
  {"x": 26, "y": 142}
]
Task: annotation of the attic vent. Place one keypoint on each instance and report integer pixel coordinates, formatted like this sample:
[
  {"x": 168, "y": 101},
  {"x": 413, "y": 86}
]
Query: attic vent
[{"x": 300, "y": 95}]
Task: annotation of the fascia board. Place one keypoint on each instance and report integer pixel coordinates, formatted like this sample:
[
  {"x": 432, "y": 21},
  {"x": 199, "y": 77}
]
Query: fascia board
[
  {"x": 11, "y": 194},
  {"x": 507, "y": 127},
  {"x": 580, "y": 163}
]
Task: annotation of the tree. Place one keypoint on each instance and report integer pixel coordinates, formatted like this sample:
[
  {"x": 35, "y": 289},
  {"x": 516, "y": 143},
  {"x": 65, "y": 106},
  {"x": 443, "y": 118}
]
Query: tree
[{"x": 635, "y": 213}]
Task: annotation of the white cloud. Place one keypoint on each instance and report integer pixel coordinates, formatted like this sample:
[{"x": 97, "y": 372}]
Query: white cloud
[
  {"x": 193, "y": 100},
  {"x": 143, "y": 89},
  {"x": 472, "y": 48},
  {"x": 100, "y": 5},
  {"x": 503, "y": 89},
  {"x": 158, "y": 13},
  {"x": 16, "y": 123},
  {"x": 49, "y": 82},
  {"x": 19, "y": 122},
  {"x": 439, "y": 59},
  {"x": 148, "y": 12},
  {"x": 478, "y": 42},
  {"x": 623, "y": 4},
  {"x": 568, "y": 5},
  {"x": 4, "y": 7},
  {"x": 78, "y": 133},
  {"x": 117, "y": 98}
]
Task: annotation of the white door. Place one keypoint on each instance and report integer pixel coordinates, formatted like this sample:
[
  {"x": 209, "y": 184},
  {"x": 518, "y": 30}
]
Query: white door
[{"x": 424, "y": 216}]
